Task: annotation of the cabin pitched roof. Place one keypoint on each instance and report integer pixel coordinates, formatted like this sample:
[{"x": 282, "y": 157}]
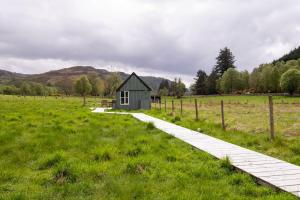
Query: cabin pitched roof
[{"x": 129, "y": 77}]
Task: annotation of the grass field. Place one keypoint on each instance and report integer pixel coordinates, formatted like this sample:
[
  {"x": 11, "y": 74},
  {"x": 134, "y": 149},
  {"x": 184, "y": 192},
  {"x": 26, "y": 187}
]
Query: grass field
[
  {"x": 246, "y": 118},
  {"x": 56, "y": 149},
  {"x": 244, "y": 113}
]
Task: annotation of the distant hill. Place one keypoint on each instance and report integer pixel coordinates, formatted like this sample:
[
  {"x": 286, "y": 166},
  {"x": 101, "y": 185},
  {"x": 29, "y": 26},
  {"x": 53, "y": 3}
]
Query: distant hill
[
  {"x": 55, "y": 76},
  {"x": 292, "y": 55}
]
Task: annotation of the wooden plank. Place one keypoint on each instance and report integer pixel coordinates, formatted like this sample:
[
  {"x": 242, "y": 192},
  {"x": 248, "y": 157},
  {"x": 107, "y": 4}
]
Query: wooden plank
[
  {"x": 286, "y": 182},
  {"x": 275, "y": 173},
  {"x": 255, "y": 170},
  {"x": 297, "y": 193},
  {"x": 257, "y": 163},
  {"x": 285, "y": 177},
  {"x": 293, "y": 188},
  {"x": 272, "y": 165}
]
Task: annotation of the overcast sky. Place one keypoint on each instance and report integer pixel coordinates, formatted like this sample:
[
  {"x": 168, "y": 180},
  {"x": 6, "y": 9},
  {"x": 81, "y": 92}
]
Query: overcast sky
[{"x": 163, "y": 38}]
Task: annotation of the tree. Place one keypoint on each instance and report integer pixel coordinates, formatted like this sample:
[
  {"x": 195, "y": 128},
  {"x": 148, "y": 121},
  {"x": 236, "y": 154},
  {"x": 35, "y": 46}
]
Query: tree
[
  {"x": 164, "y": 87},
  {"x": 211, "y": 83},
  {"x": 254, "y": 80},
  {"x": 290, "y": 81},
  {"x": 269, "y": 78},
  {"x": 83, "y": 87},
  {"x": 231, "y": 81},
  {"x": 173, "y": 87},
  {"x": 10, "y": 90},
  {"x": 50, "y": 90},
  {"x": 266, "y": 78},
  {"x": 25, "y": 89},
  {"x": 97, "y": 85},
  {"x": 180, "y": 88},
  {"x": 177, "y": 88},
  {"x": 113, "y": 82},
  {"x": 37, "y": 89},
  {"x": 292, "y": 55},
  {"x": 66, "y": 85},
  {"x": 164, "y": 84},
  {"x": 100, "y": 87},
  {"x": 225, "y": 60},
  {"x": 245, "y": 79},
  {"x": 163, "y": 92},
  {"x": 200, "y": 83}
]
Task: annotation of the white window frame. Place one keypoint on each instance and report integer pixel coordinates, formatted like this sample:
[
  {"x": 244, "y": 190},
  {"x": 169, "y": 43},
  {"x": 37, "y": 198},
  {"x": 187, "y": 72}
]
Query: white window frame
[{"x": 124, "y": 97}]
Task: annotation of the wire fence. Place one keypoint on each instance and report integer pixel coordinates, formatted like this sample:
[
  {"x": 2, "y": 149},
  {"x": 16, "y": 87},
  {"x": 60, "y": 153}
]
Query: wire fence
[{"x": 268, "y": 114}]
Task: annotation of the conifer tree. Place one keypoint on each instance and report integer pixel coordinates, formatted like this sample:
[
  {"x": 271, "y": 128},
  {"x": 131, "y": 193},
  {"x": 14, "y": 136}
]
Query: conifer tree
[
  {"x": 200, "y": 84},
  {"x": 225, "y": 60}
]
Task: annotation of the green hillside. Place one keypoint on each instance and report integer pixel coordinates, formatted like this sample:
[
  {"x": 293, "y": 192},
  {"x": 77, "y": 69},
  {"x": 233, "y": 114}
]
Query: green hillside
[
  {"x": 65, "y": 78},
  {"x": 292, "y": 55}
]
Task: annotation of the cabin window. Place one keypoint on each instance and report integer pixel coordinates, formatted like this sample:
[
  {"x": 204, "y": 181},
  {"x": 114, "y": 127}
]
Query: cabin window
[{"x": 124, "y": 100}]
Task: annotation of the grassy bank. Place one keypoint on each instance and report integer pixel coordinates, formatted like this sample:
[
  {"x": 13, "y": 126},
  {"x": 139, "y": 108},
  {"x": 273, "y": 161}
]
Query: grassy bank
[{"x": 56, "y": 149}]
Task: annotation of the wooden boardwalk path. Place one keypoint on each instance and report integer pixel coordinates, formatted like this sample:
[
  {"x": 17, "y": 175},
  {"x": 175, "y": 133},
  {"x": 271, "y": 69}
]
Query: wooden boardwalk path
[{"x": 269, "y": 170}]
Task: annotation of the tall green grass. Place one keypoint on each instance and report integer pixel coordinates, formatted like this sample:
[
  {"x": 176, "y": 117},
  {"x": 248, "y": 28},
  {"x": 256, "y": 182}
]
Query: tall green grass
[
  {"x": 283, "y": 147},
  {"x": 56, "y": 149}
]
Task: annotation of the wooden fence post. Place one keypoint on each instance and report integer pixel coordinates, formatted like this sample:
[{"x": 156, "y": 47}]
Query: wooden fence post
[
  {"x": 165, "y": 105},
  {"x": 196, "y": 108},
  {"x": 173, "y": 107},
  {"x": 160, "y": 105},
  {"x": 222, "y": 115},
  {"x": 181, "y": 107},
  {"x": 271, "y": 117}
]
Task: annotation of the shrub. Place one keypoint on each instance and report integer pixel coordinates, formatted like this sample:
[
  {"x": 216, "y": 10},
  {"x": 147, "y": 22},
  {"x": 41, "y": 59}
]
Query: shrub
[
  {"x": 290, "y": 81},
  {"x": 231, "y": 81}
]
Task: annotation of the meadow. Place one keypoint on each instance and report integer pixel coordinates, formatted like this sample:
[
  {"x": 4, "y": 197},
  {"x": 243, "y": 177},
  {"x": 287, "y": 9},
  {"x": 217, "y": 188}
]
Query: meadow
[
  {"x": 247, "y": 121},
  {"x": 57, "y": 149},
  {"x": 243, "y": 113}
]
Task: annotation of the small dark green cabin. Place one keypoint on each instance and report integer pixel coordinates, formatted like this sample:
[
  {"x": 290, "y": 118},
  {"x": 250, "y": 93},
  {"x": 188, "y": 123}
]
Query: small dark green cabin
[{"x": 133, "y": 94}]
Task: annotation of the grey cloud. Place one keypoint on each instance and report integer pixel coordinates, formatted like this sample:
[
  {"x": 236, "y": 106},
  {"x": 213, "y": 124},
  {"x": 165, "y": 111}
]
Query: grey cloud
[{"x": 176, "y": 37}]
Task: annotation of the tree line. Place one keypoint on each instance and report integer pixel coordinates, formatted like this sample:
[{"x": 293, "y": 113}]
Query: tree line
[
  {"x": 172, "y": 88},
  {"x": 276, "y": 77},
  {"x": 66, "y": 86},
  {"x": 28, "y": 88}
]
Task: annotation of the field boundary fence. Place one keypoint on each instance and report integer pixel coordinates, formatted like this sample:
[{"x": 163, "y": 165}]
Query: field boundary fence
[{"x": 194, "y": 108}]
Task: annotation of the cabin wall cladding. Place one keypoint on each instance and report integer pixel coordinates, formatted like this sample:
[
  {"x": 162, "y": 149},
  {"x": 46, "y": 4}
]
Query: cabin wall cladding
[
  {"x": 139, "y": 94},
  {"x": 133, "y": 84}
]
